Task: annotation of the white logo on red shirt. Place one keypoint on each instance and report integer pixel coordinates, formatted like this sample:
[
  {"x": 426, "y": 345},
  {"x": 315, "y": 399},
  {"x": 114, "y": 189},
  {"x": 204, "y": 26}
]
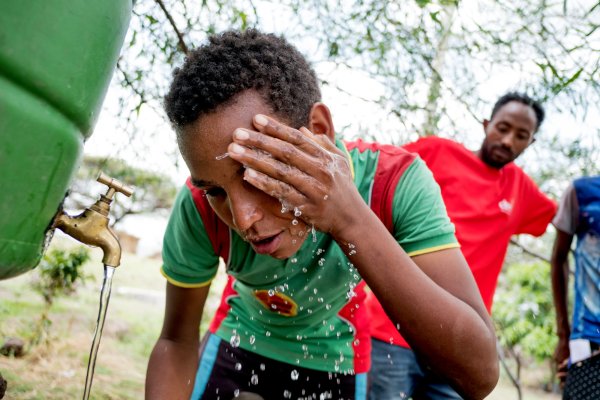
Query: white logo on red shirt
[{"x": 505, "y": 206}]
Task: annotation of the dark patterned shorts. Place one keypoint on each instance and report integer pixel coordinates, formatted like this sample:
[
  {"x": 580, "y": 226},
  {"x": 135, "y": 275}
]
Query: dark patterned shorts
[{"x": 583, "y": 380}]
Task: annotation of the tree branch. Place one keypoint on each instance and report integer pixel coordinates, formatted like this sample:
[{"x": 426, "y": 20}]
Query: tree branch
[
  {"x": 182, "y": 46},
  {"x": 528, "y": 251}
]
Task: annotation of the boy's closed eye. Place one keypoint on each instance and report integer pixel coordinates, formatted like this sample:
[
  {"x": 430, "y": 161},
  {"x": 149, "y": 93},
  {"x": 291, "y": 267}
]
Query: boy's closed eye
[{"x": 214, "y": 192}]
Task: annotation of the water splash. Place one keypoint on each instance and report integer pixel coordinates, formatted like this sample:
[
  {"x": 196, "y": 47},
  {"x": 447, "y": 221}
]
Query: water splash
[
  {"x": 235, "y": 340},
  {"x": 104, "y": 298}
]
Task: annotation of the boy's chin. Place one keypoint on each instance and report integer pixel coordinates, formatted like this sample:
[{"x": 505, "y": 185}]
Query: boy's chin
[{"x": 290, "y": 249}]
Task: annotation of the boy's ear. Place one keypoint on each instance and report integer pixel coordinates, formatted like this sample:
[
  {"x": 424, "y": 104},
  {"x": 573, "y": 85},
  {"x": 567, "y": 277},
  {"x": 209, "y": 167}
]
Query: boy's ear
[{"x": 320, "y": 122}]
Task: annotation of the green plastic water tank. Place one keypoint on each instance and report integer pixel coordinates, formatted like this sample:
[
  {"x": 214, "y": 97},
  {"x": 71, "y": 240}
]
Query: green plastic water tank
[{"x": 56, "y": 61}]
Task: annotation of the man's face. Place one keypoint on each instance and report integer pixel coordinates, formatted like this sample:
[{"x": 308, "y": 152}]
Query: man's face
[
  {"x": 508, "y": 134},
  {"x": 257, "y": 217}
]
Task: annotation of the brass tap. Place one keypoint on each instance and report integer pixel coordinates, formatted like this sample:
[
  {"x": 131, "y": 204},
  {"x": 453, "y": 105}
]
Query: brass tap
[{"x": 91, "y": 226}]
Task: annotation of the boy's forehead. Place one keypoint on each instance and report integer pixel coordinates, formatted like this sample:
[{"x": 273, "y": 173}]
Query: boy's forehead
[{"x": 209, "y": 136}]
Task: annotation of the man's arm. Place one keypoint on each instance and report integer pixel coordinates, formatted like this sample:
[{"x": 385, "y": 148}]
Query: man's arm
[
  {"x": 174, "y": 359},
  {"x": 560, "y": 289}
]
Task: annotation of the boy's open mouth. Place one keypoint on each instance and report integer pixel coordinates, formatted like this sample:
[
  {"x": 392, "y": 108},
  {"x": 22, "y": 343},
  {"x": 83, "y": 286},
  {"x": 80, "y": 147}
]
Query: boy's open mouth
[{"x": 267, "y": 245}]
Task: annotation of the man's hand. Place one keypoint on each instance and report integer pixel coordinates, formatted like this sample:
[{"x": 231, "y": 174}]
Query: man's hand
[{"x": 561, "y": 360}]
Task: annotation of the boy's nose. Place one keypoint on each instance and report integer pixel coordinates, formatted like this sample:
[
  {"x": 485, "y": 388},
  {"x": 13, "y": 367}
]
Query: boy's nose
[{"x": 246, "y": 211}]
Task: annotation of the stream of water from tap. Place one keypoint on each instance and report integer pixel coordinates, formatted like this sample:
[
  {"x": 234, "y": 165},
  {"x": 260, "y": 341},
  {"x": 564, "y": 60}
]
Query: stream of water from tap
[{"x": 104, "y": 298}]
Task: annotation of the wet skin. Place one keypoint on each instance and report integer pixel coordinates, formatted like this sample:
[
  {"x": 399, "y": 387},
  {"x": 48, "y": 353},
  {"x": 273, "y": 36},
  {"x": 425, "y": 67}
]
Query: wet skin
[
  {"x": 269, "y": 168},
  {"x": 508, "y": 134}
]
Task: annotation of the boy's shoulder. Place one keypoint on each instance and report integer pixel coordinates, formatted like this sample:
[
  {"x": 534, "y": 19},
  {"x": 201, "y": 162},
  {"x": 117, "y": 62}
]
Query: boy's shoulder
[{"x": 375, "y": 147}]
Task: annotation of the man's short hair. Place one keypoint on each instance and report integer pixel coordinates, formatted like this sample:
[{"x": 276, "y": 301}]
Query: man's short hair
[
  {"x": 234, "y": 61},
  {"x": 521, "y": 98}
]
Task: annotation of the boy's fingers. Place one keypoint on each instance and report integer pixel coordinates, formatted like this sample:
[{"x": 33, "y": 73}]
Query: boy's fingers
[
  {"x": 248, "y": 145},
  {"x": 273, "y": 187},
  {"x": 287, "y": 134},
  {"x": 267, "y": 166}
]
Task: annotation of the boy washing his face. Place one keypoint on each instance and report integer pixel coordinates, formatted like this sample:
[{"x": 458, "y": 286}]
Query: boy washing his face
[{"x": 302, "y": 242}]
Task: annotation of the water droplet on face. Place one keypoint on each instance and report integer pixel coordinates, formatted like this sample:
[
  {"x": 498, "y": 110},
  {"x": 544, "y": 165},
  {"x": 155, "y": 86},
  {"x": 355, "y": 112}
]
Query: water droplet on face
[
  {"x": 297, "y": 212},
  {"x": 222, "y": 156},
  {"x": 294, "y": 221},
  {"x": 235, "y": 340},
  {"x": 325, "y": 197},
  {"x": 295, "y": 375}
]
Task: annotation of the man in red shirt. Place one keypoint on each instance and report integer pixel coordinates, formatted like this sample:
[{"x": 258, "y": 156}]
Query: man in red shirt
[{"x": 489, "y": 199}]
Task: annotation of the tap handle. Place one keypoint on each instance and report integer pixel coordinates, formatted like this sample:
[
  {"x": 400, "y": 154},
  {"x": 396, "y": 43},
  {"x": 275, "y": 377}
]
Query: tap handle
[{"x": 114, "y": 186}]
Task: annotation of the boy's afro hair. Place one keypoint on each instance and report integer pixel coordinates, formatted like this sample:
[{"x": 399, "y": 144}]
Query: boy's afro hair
[{"x": 232, "y": 62}]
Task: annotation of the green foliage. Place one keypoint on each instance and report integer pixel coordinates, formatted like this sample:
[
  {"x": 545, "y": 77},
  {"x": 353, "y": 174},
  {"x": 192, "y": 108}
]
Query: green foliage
[
  {"x": 524, "y": 311},
  {"x": 60, "y": 272}
]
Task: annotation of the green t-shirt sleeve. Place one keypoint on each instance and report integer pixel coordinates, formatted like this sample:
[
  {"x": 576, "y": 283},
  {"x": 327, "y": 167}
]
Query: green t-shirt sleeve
[
  {"x": 188, "y": 256},
  {"x": 421, "y": 223}
]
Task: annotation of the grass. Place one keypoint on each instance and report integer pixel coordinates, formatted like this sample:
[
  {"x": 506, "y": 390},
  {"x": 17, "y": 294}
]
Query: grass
[{"x": 55, "y": 369}]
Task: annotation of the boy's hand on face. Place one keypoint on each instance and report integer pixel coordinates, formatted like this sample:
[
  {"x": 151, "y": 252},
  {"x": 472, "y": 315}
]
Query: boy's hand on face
[{"x": 307, "y": 173}]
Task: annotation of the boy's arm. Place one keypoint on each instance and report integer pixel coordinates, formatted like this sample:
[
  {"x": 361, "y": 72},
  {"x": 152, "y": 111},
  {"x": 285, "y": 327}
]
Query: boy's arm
[
  {"x": 174, "y": 359},
  {"x": 560, "y": 289},
  {"x": 433, "y": 298}
]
